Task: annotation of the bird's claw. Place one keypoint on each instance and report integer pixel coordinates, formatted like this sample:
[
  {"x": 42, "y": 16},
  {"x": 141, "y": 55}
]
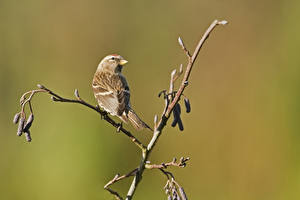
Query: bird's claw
[
  {"x": 104, "y": 115},
  {"x": 120, "y": 125}
]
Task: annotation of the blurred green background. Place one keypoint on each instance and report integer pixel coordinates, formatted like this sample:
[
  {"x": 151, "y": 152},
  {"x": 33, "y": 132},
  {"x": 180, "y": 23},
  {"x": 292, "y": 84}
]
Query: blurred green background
[{"x": 242, "y": 134}]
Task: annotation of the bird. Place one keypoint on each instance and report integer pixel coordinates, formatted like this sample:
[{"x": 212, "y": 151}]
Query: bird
[{"x": 112, "y": 92}]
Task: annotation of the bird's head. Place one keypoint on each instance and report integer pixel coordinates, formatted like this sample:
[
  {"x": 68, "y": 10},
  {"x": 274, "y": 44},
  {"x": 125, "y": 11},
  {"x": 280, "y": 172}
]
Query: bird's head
[{"x": 112, "y": 63}]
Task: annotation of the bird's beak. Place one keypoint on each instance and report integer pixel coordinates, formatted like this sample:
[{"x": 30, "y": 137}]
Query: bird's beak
[{"x": 123, "y": 62}]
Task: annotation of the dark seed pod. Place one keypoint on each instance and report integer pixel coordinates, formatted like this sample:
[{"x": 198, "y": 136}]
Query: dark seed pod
[
  {"x": 174, "y": 122},
  {"x": 16, "y": 118},
  {"x": 180, "y": 125},
  {"x": 178, "y": 108},
  {"x": 27, "y": 136},
  {"x": 175, "y": 117},
  {"x": 29, "y": 122},
  {"x": 187, "y": 105},
  {"x": 182, "y": 193},
  {"x": 21, "y": 126}
]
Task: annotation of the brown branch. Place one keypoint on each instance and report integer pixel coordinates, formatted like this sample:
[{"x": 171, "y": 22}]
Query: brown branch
[
  {"x": 116, "y": 179},
  {"x": 169, "y": 107},
  {"x": 55, "y": 97},
  {"x": 182, "y": 163}
]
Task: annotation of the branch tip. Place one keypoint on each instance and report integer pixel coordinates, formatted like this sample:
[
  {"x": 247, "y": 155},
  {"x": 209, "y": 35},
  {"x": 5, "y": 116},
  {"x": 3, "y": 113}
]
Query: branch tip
[
  {"x": 40, "y": 86},
  {"x": 223, "y": 22},
  {"x": 76, "y": 93}
]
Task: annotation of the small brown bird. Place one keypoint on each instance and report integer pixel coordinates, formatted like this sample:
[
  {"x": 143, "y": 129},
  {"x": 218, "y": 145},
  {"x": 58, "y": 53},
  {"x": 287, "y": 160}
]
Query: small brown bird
[{"x": 112, "y": 92}]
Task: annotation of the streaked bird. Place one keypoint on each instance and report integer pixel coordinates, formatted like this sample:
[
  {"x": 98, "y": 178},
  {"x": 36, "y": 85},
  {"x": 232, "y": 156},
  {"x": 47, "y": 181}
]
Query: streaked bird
[{"x": 112, "y": 91}]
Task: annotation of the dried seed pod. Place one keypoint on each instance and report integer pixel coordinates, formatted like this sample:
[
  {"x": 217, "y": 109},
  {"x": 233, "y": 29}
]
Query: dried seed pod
[
  {"x": 16, "y": 118},
  {"x": 187, "y": 105},
  {"x": 180, "y": 124},
  {"x": 182, "y": 193},
  {"x": 177, "y": 119},
  {"x": 27, "y": 136},
  {"x": 21, "y": 126},
  {"x": 29, "y": 122},
  {"x": 174, "y": 194},
  {"x": 179, "y": 108}
]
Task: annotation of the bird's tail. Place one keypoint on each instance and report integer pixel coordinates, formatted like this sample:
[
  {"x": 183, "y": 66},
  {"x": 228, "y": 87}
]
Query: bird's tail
[{"x": 136, "y": 122}]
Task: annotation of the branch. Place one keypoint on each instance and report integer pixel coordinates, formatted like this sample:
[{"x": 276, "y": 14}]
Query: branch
[
  {"x": 55, "y": 97},
  {"x": 182, "y": 163},
  {"x": 170, "y": 106},
  {"x": 116, "y": 179}
]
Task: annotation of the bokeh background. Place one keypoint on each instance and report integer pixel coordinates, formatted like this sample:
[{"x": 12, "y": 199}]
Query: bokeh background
[{"x": 242, "y": 134}]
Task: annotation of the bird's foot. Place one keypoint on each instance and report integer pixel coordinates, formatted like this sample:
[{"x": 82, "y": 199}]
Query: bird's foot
[
  {"x": 119, "y": 126},
  {"x": 104, "y": 115}
]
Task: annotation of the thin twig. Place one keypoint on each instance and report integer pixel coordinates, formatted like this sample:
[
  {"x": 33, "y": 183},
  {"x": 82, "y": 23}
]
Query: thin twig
[
  {"x": 181, "y": 163},
  {"x": 79, "y": 100},
  {"x": 116, "y": 179}
]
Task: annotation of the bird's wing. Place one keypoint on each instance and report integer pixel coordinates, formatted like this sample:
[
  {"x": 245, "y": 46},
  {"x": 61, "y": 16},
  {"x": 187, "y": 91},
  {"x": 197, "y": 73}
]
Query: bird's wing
[{"x": 111, "y": 92}]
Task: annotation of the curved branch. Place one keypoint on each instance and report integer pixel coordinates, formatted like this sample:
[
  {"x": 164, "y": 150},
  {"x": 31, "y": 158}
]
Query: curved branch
[{"x": 78, "y": 100}]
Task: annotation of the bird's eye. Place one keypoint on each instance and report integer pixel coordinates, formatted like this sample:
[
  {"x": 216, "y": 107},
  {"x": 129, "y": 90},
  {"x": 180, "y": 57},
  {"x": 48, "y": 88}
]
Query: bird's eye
[{"x": 113, "y": 58}]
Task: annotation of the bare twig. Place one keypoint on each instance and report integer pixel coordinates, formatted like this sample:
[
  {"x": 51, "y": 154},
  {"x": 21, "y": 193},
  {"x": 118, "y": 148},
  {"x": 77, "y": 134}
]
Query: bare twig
[
  {"x": 55, "y": 97},
  {"x": 116, "y": 179},
  {"x": 182, "y": 163},
  {"x": 169, "y": 107}
]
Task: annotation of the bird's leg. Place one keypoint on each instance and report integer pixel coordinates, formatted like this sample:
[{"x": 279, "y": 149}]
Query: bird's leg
[
  {"x": 104, "y": 115},
  {"x": 119, "y": 126}
]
